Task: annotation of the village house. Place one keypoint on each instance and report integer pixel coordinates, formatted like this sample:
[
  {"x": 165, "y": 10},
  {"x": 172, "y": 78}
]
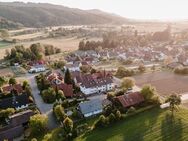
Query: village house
[
  {"x": 130, "y": 99},
  {"x": 15, "y": 125},
  {"x": 103, "y": 55},
  {"x": 17, "y": 88},
  {"x": 16, "y": 101},
  {"x": 56, "y": 81},
  {"x": 93, "y": 83},
  {"x": 37, "y": 68},
  {"x": 93, "y": 107},
  {"x": 73, "y": 67}
]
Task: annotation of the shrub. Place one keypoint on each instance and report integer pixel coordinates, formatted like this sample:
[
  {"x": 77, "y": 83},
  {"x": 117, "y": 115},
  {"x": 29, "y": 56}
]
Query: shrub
[
  {"x": 38, "y": 123},
  {"x": 49, "y": 95},
  {"x": 111, "y": 118},
  {"x": 101, "y": 122},
  {"x": 131, "y": 110},
  {"x": 118, "y": 115},
  {"x": 59, "y": 112},
  {"x": 181, "y": 70}
]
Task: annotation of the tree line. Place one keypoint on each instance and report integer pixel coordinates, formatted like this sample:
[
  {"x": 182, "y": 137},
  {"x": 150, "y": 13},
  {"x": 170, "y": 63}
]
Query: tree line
[
  {"x": 35, "y": 52},
  {"x": 118, "y": 39}
]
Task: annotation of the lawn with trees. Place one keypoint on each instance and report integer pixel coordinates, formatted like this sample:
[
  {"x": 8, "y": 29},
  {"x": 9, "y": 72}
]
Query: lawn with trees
[{"x": 151, "y": 125}]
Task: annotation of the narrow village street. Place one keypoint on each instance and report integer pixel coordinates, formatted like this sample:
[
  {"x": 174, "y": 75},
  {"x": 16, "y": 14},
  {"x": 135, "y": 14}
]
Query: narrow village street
[{"x": 43, "y": 107}]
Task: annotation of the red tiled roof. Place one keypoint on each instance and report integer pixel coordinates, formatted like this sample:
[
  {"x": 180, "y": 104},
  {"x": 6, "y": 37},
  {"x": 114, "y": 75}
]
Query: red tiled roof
[
  {"x": 53, "y": 76},
  {"x": 40, "y": 62},
  {"x": 131, "y": 99},
  {"x": 16, "y": 87},
  {"x": 102, "y": 74},
  {"x": 89, "y": 59},
  {"x": 92, "y": 80},
  {"x": 67, "y": 89}
]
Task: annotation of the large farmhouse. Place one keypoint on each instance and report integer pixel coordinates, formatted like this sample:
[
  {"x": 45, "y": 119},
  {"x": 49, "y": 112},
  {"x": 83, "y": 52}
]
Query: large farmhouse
[{"x": 93, "y": 83}]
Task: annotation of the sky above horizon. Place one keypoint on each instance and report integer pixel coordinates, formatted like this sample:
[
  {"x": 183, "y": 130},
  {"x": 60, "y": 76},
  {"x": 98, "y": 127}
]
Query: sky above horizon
[{"x": 136, "y": 9}]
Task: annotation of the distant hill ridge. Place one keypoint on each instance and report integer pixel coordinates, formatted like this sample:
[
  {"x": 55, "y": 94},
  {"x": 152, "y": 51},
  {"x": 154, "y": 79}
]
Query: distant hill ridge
[{"x": 43, "y": 14}]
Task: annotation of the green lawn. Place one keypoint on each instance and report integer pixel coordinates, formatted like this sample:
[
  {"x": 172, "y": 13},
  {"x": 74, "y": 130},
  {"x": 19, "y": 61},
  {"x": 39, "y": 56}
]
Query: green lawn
[{"x": 152, "y": 125}]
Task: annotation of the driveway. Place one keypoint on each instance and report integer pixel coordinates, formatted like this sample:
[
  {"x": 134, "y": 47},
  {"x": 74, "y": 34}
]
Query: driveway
[{"x": 44, "y": 108}]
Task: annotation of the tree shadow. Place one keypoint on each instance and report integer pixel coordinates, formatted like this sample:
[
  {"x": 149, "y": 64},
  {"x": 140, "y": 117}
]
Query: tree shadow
[
  {"x": 145, "y": 127},
  {"x": 135, "y": 128},
  {"x": 171, "y": 128}
]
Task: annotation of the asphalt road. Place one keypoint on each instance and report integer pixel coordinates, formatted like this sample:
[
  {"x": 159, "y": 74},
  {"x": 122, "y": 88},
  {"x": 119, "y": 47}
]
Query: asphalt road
[{"x": 43, "y": 107}]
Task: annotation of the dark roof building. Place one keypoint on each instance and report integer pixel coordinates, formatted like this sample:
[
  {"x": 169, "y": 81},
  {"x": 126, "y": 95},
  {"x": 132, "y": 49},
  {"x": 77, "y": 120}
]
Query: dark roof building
[
  {"x": 91, "y": 107},
  {"x": 15, "y": 126},
  {"x": 130, "y": 99},
  {"x": 18, "y": 102}
]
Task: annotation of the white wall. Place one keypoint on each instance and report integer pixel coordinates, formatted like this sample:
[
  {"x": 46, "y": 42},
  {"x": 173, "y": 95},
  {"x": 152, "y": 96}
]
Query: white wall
[
  {"x": 103, "y": 88},
  {"x": 93, "y": 113}
]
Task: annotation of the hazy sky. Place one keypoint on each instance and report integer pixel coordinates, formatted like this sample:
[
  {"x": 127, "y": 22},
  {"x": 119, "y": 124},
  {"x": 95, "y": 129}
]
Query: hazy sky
[{"x": 138, "y": 9}]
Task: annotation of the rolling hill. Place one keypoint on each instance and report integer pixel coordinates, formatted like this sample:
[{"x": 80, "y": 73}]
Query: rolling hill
[{"x": 40, "y": 14}]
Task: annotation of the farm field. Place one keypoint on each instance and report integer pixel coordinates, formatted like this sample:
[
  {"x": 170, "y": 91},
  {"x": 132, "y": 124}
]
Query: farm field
[
  {"x": 4, "y": 44},
  {"x": 151, "y": 125},
  {"x": 28, "y": 36},
  {"x": 64, "y": 43},
  {"x": 6, "y": 72},
  {"x": 165, "y": 82}
]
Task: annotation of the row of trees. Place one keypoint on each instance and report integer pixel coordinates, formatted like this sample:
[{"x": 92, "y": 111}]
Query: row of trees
[
  {"x": 19, "y": 54},
  {"x": 181, "y": 70},
  {"x": 107, "y": 120},
  {"x": 116, "y": 39},
  {"x": 89, "y": 45},
  {"x": 124, "y": 72}
]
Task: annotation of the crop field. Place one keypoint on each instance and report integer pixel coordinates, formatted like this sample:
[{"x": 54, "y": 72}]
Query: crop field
[
  {"x": 64, "y": 43},
  {"x": 6, "y": 72},
  {"x": 28, "y": 36},
  {"x": 164, "y": 81},
  {"x": 4, "y": 44}
]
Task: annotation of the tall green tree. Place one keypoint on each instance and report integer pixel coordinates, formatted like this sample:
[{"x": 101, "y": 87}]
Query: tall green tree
[
  {"x": 38, "y": 123},
  {"x": 6, "y": 112},
  {"x": 12, "y": 81},
  {"x": 2, "y": 81},
  {"x": 49, "y": 95},
  {"x": 148, "y": 92},
  {"x": 68, "y": 125},
  {"x": 59, "y": 112},
  {"x": 68, "y": 78},
  {"x": 127, "y": 83},
  {"x": 174, "y": 101}
]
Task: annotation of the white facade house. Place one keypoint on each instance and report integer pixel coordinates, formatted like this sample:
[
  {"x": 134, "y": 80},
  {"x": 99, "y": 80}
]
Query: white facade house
[
  {"x": 36, "y": 69},
  {"x": 96, "y": 89},
  {"x": 73, "y": 67}
]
